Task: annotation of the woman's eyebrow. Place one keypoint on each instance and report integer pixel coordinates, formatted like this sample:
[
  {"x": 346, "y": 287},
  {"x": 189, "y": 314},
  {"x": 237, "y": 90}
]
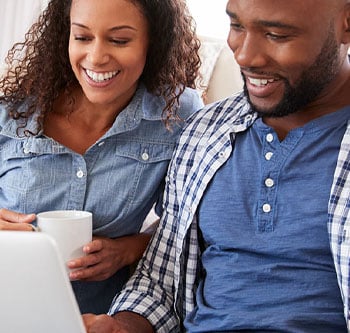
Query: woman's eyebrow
[{"x": 119, "y": 27}]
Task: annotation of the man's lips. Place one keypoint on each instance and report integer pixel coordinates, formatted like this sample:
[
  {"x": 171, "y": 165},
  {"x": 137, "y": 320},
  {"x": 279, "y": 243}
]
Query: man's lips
[
  {"x": 262, "y": 86},
  {"x": 258, "y": 82}
]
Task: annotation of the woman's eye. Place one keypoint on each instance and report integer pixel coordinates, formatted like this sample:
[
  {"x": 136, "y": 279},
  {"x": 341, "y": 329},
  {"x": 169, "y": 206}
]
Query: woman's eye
[
  {"x": 81, "y": 38},
  {"x": 119, "y": 41}
]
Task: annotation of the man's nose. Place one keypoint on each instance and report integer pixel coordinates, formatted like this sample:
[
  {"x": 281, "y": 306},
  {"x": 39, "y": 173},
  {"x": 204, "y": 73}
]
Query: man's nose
[{"x": 249, "y": 51}]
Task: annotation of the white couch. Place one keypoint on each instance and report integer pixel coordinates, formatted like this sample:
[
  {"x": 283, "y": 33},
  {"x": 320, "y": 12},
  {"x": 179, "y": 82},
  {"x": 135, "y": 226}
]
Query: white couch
[{"x": 220, "y": 72}]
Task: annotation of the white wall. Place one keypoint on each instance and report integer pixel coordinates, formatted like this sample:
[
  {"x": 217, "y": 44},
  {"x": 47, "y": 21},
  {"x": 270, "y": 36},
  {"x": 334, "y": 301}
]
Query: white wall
[
  {"x": 16, "y": 16},
  {"x": 210, "y": 16}
]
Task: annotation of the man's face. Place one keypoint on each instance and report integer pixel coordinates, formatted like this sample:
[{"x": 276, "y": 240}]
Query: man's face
[
  {"x": 311, "y": 83},
  {"x": 287, "y": 55}
]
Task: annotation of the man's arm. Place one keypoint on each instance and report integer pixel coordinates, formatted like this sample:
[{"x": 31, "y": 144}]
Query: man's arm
[{"x": 122, "y": 322}]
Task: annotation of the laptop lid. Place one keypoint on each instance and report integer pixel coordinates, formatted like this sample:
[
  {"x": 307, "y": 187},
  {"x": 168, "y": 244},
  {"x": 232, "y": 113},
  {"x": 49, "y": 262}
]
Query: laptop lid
[{"x": 35, "y": 291}]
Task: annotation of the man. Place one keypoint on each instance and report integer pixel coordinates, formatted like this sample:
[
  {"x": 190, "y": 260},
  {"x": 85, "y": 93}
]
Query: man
[{"x": 254, "y": 232}]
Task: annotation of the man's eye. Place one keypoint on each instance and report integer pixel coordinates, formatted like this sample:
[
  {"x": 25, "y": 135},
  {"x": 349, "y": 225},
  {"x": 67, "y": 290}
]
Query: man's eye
[
  {"x": 235, "y": 26},
  {"x": 275, "y": 36}
]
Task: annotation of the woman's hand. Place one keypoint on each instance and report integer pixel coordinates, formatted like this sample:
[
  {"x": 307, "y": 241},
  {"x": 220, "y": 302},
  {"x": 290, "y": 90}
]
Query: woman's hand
[
  {"x": 10, "y": 220},
  {"x": 105, "y": 256}
]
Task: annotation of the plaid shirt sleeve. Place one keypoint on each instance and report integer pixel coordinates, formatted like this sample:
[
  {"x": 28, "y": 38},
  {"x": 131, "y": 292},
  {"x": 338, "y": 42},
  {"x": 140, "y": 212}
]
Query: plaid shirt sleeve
[
  {"x": 339, "y": 221},
  {"x": 150, "y": 292}
]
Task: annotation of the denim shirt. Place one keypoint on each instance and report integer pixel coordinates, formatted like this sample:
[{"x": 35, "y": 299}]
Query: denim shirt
[{"x": 118, "y": 178}]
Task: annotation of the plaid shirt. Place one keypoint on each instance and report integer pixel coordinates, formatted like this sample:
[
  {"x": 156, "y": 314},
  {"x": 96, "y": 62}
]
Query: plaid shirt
[{"x": 164, "y": 285}]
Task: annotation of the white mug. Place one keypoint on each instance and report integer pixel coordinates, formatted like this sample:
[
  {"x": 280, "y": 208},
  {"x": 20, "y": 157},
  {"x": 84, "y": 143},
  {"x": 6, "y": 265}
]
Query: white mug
[{"x": 70, "y": 229}]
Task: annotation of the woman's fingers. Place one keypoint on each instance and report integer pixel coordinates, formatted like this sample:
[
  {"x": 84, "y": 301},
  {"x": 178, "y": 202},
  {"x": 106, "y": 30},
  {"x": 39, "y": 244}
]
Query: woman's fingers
[{"x": 10, "y": 220}]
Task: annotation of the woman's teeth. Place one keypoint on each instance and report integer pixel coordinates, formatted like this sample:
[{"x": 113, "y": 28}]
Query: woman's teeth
[
  {"x": 260, "y": 82},
  {"x": 100, "y": 77}
]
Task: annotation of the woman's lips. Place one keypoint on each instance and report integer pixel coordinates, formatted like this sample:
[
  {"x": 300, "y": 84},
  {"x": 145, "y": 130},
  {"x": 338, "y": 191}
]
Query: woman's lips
[{"x": 100, "y": 79}]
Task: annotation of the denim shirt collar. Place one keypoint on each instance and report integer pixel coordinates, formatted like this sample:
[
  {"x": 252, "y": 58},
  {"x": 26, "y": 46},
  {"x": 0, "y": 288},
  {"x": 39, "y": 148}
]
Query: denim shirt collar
[
  {"x": 137, "y": 110},
  {"x": 143, "y": 105}
]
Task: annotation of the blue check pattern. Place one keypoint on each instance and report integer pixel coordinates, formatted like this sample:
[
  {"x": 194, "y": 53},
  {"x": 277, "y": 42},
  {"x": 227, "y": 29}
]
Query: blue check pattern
[
  {"x": 163, "y": 287},
  {"x": 339, "y": 221}
]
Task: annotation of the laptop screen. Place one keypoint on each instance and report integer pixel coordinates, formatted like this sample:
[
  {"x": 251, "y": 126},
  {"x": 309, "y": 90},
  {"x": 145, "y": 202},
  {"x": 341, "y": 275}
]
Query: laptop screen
[{"x": 35, "y": 291}]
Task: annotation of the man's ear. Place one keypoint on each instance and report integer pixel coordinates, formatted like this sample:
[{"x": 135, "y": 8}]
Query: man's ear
[{"x": 346, "y": 24}]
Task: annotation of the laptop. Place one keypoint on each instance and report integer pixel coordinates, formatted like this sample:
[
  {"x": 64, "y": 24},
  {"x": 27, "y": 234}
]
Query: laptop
[{"x": 35, "y": 292}]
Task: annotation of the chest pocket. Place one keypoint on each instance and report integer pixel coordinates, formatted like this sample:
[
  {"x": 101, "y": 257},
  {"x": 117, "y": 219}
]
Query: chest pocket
[
  {"x": 145, "y": 152},
  {"x": 29, "y": 165},
  {"x": 142, "y": 167}
]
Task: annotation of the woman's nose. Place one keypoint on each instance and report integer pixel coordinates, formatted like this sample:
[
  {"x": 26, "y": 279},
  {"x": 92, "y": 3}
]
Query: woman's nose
[{"x": 97, "y": 54}]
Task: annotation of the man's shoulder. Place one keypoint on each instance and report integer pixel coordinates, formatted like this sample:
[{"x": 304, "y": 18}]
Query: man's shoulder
[{"x": 234, "y": 109}]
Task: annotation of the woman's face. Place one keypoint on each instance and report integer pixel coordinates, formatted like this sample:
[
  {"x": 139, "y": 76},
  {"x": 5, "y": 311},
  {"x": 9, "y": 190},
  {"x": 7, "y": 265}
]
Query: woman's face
[{"x": 107, "y": 49}]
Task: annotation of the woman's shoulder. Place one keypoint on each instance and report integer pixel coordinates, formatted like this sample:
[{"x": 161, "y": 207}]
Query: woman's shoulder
[
  {"x": 189, "y": 102},
  {"x": 4, "y": 115},
  {"x": 9, "y": 125}
]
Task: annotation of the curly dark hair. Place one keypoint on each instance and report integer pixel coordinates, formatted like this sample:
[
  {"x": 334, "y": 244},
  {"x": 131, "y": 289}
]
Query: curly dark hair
[{"x": 39, "y": 68}]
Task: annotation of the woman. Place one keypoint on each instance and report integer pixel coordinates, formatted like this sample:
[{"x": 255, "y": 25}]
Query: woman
[{"x": 91, "y": 108}]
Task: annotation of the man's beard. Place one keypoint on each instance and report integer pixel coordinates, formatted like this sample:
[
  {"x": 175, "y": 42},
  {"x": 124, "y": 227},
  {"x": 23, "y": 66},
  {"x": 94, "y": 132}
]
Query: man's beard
[{"x": 311, "y": 83}]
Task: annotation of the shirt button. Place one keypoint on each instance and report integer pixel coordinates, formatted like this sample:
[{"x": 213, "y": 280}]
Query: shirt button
[
  {"x": 248, "y": 117},
  {"x": 266, "y": 208},
  {"x": 222, "y": 154},
  {"x": 101, "y": 143},
  {"x": 26, "y": 150},
  {"x": 269, "y": 182},
  {"x": 80, "y": 174},
  {"x": 145, "y": 156},
  {"x": 268, "y": 156},
  {"x": 269, "y": 137}
]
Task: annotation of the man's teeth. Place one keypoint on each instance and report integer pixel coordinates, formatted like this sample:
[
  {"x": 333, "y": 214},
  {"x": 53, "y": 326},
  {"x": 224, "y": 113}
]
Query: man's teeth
[
  {"x": 100, "y": 77},
  {"x": 259, "y": 82}
]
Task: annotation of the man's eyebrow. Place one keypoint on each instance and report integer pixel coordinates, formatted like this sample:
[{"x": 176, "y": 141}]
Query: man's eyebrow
[
  {"x": 267, "y": 24},
  {"x": 231, "y": 14},
  {"x": 119, "y": 27},
  {"x": 277, "y": 24}
]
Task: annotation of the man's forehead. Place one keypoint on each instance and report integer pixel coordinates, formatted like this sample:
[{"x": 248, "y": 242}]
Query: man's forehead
[
  {"x": 286, "y": 10},
  {"x": 315, "y": 4}
]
